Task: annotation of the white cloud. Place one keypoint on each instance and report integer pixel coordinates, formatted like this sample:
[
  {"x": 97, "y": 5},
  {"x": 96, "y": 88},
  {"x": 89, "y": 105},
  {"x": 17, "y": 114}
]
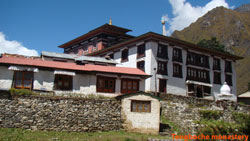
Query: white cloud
[
  {"x": 14, "y": 47},
  {"x": 185, "y": 14}
]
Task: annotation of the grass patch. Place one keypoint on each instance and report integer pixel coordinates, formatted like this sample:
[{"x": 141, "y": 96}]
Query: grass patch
[
  {"x": 9, "y": 134},
  {"x": 210, "y": 114},
  {"x": 25, "y": 92},
  {"x": 174, "y": 127},
  {"x": 217, "y": 127},
  {"x": 211, "y": 125},
  {"x": 21, "y": 92}
]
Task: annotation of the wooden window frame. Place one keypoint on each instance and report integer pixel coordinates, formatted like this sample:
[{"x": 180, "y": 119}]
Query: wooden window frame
[
  {"x": 143, "y": 105},
  {"x": 141, "y": 51},
  {"x": 105, "y": 79},
  {"x": 230, "y": 81},
  {"x": 22, "y": 80},
  {"x": 133, "y": 81},
  {"x": 65, "y": 79},
  {"x": 124, "y": 55},
  {"x": 197, "y": 60},
  {"x": 177, "y": 55},
  {"x": 179, "y": 73},
  {"x": 139, "y": 65},
  {"x": 216, "y": 64},
  {"x": 198, "y": 75},
  {"x": 228, "y": 66},
  {"x": 162, "y": 51},
  {"x": 159, "y": 68},
  {"x": 217, "y": 78}
]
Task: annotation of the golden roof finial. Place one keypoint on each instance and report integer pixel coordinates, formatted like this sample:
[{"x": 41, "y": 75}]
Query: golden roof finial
[{"x": 110, "y": 21}]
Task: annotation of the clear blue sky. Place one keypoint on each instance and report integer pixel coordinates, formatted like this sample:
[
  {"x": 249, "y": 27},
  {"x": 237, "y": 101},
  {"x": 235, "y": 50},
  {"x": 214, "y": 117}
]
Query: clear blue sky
[{"x": 44, "y": 24}]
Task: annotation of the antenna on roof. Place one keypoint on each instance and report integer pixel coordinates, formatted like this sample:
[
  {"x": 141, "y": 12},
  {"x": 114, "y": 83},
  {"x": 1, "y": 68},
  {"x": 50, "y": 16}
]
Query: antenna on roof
[
  {"x": 110, "y": 21},
  {"x": 163, "y": 21}
]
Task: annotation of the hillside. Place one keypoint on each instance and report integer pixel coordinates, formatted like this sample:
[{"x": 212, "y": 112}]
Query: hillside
[{"x": 231, "y": 28}]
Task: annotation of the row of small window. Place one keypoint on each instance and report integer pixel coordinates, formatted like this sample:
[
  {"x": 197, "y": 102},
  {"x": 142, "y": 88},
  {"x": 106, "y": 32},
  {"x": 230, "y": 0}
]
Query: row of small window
[
  {"x": 192, "y": 58},
  {"x": 140, "y": 53},
  {"x": 228, "y": 78},
  {"x": 107, "y": 84},
  {"x": 162, "y": 68},
  {"x": 24, "y": 80},
  {"x": 203, "y": 76},
  {"x": 217, "y": 66},
  {"x": 161, "y": 53}
]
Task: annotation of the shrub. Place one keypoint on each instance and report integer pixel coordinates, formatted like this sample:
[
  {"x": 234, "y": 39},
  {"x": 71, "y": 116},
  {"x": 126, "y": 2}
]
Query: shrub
[
  {"x": 217, "y": 127},
  {"x": 21, "y": 92},
  {"x": 243, "y": 120},
  {"x": 210, "y": 114}
]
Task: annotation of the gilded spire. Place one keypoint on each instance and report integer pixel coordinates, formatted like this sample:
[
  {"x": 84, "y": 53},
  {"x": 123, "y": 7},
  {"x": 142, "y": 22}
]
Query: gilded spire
[{"x": 110, "y": 21}]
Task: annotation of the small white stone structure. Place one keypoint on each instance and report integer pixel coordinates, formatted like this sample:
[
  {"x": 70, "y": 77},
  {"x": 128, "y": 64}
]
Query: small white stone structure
[
  {"x": 225, "y": 93},
  {"x": 139, "y": 120}
]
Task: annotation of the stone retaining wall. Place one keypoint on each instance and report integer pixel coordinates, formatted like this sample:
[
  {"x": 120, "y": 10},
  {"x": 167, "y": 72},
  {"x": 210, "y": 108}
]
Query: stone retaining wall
[
  {"x": 60, "y": 114},
  {"x": 89, "y": 115},
  {"x": 183, "y": 111}
]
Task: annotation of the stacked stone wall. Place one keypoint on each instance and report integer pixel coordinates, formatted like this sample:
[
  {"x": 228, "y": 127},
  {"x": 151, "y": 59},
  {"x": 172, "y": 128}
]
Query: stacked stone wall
[
  {"x": 184, "y": 111},
  {"x": 60, "y": 114}
]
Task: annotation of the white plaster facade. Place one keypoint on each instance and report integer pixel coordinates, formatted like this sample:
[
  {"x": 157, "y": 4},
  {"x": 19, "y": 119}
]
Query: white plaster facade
[
  {"x": 5, "y": 78},
  {"x": 175, "y": 85},
  {"x": 82, "y": 83},
  {"x": 142, "y": 122}
]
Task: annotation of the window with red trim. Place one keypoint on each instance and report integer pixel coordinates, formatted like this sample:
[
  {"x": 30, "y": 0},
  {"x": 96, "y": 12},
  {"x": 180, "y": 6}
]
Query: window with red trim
[
  {"x": 23, "y": 79},
  {"x": 105, "y": 84},
  {"x": 129, "y": 85}
]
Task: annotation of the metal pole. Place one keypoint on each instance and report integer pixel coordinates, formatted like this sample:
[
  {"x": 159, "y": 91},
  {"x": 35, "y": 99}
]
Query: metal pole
[{"x": 155, "y": 82}]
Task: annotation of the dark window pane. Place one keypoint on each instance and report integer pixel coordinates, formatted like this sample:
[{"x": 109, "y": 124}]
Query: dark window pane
[
  {"x": 141, "y": 65},
  {"x": 177, "y": 55},
  {"x": 162, "y": 68},
  {"x": 162, "y": 51},
  {"x": 198, "y": 75},
  {"x": 63, "y": 82},
  {"x": 141, "y": 51},
  {"x": 177, "y": 70},
  {"x": 228, "y": 66},
  {"x": 125, "y": 55}
]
